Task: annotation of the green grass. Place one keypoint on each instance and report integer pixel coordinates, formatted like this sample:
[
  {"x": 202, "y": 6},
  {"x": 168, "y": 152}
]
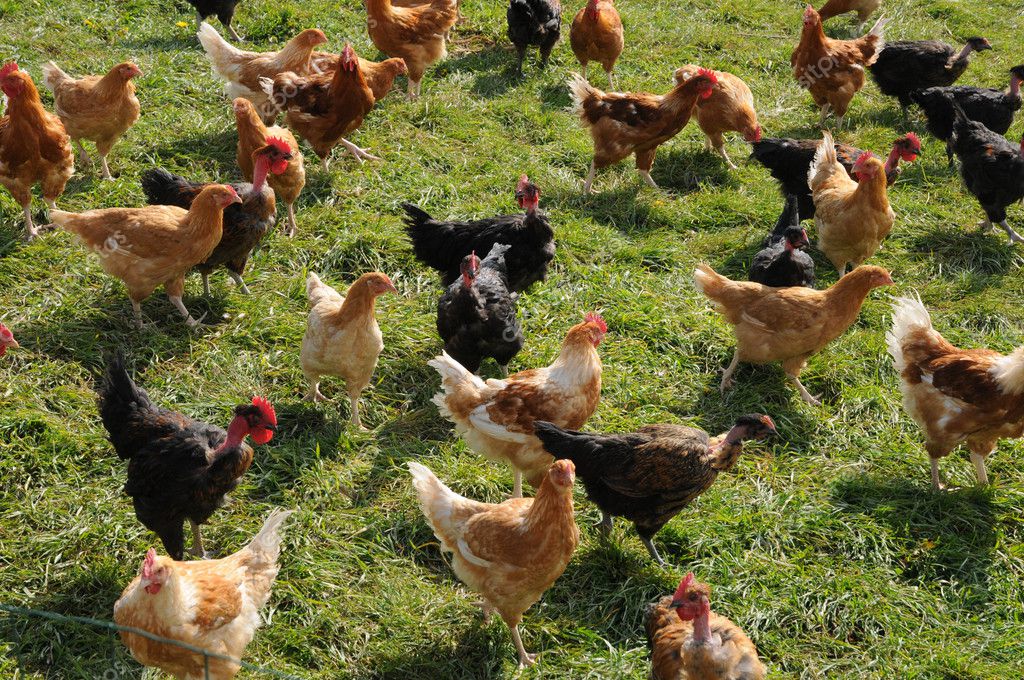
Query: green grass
[{"x": 825, "y": 545}]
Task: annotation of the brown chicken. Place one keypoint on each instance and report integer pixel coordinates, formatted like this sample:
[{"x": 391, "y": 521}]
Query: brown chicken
[
  {"x": 324, "y": 108},
  {"x": 242, "y": 70},
  {"x": 853, "y": 218},
  {"x": 596, "y": 35},
  {"x": 863, "y": 8},
  {"x": 254, "y": 135},
  {"x": 956, "y": 396},
  {"x": 496, "y": 417},
  {"x": 730, "y": 108},
  {"x": 833, "y": 70},
  {"x": 97, "y": 108},
  {"x": 510, "y": 553},
  {"x": 688, "y": 641},
  {"x": 417, "y": 34},
  {"x": 153, "y": 246},
  {"x": 210, "y": 604},
  {"x": 342, "y": 336},
  {"x": 379, "y": 75},
  {"x": 786, "y": 324},
  {"x": 34, "y": 146},
  {"x": 635, "y": 122}
]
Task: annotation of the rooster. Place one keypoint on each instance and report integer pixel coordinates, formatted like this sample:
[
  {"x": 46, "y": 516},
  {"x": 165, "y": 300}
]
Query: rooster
[
  {"x": 688, "y": 641},
  {"x": 213, "y": 605},
  {"x": 34, "y": 146},
  {"x": 636, "y": 123},
  {"x": 509, "y": 553},
  {"x": 245, "y": 224},
  {"x": 7, "y": 340},
  {"x": 496, "y": 417},
  {"x": 534, "y": 22},
  {"x": 956, "y": 396},
  {"x": 443, "y": 245},
  {"x": 178, "y": 468}
]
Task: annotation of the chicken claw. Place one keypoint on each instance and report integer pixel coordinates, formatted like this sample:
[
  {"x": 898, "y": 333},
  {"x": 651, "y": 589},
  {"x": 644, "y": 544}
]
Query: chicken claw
[{"x": 359, "y": 153}]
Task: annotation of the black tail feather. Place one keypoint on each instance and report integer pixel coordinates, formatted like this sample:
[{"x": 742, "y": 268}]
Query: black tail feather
[
  {"x": 119, "y": 398},
  {"x": 165, "y": 188}
]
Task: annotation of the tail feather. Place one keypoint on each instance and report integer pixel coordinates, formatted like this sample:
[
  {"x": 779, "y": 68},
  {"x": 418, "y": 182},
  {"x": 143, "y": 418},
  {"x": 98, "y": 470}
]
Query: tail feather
[
  {"x": 266, "y": 545},
  {"x": 1009, "y": 372},
  {"x": 455, "y": 379},
  {"x": 879, "y": 30},
  {"x": 165, "y": 188},
  {"x": 119, "y": 398},
  {"x": 216, "y": 47},
  {"x": 581, "y": 91},
  {"x": 824, "y": 158},
  {"x": 445, "y": 510},
  {"x": 909, "y": 314},
  {"x": 317, "y": 290},
  {"x": 53, "y": 76},
  {"x": 708, "y": 281},
  {"x": 559, "y": 442}
]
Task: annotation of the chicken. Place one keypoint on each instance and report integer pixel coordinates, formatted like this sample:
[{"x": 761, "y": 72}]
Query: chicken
[
  {"x": 443, "y": 245},
  {"x": 956, "y": 396},
  {"x": 153, "y": 246},
  {"x": 688, "y": 641},
  {"x": 790, "y": 159},
  {"x": 224, "y": 9},
  {"x": 635, "y": 122},
  {"x": 213, "y": 605},
  {"x": 908, "y": 65},
  {"x": 379, "y": 75},
  {"x": 852, "y": 217},
  {"x": 833, "y": 70},
  {"x": 178, "y": 468},
  {"x": 324, "y": 108},
  {"x": 510, "y": 553},
  {"x": 596, "y": 35},
  {"x": 342, "y": 336},
  {"x": 730, "y": 108},
  {"x": 242, "y": 70},
  {"x": 994, "y": 109},
  {"x": 34, "y": 147},
  {"x": 245, "y": 224},
  {"x": 649, "y": 476},
  {"x": 97, "y": 108},
  {"x": 416, "y": 34},
  {"x": 7, "y": 340},
  {"x": 496, "y": 417},
  {"x": 782, "y": 262},
  {"x": 863, "y": 8},
  {"x": 254, "y": 135},
  {"x": 991, "y": 168},
  {"x": 534, "y": 22},
  {"x": 786, "y": 324},
  {"x": 476, "y": 316}
]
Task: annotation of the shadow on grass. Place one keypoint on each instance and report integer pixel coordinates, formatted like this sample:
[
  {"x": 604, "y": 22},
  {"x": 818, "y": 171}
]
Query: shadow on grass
[
  {"x": 985, "y": 258},
  {"x": 216, "y": 149},
  {"x": 952, "y": 533}
]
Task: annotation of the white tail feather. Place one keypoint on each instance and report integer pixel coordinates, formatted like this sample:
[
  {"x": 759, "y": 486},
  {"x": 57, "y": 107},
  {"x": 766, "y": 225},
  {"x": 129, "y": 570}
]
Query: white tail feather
[
  {"x": 580, "y": 90},
  {"x": 215, "y": 46},
  {"x": 909, "y": 314},
  {"x": 267, "y": 543},
  {"x": 53, "y": 76},
  {"x": 1009, "y": 372},
  {"x": 824, "y": 157}
]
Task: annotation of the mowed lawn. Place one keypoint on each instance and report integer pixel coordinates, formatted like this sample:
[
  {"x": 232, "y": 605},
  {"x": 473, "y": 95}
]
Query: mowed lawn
[{"x": 826, "y": 545}]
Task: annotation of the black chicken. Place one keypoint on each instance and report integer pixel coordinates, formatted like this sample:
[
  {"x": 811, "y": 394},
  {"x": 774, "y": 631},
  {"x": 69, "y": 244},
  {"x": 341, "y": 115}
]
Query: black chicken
[
  {"x": 992, "y": 108},
  {"x": 476, "y": 316},
  {"x": 992, "y": 169},
  {"x": 224, "y": 9},
  {"x": 649, "y": 476},
  {"x": 790, "y": 159},
  {"x": 534, "y": 22},
  {"x": 179, "y": 469},
  {"x": 908, "y": 65},
  {"x": 245, "y": 223},
  {"x": 442, "y": 245},
  {"x": 782, "y": 262}
]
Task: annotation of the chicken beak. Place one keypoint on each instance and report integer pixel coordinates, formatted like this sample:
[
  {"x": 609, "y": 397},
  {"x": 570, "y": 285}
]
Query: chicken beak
[
  {"x": 391, "y": 288},
  {"x": 12, "y": 343}
]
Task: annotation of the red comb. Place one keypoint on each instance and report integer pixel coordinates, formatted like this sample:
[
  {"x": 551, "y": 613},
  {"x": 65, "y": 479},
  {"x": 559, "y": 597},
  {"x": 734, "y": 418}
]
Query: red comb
[
  {"x": 5, "y": 332},
  {"x": 279, "y": 144},
  {"x": 595, "y": 318},
  {"x": 523, "y": 181},
  {"x": 913, "y": 138},
  {"x": 709, "y": 74},
  {"x": 267, "y": 408},
  {"x": 148, "y": 563},
  {"x": 8, "y": 69},
  {"x": 684, "y": 585}
]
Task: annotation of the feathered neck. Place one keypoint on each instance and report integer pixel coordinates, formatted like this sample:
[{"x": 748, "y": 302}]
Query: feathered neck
[
  {"x": 27, "y": 106},
  {"x": 812, "y": 33},
  {"x": 113, "y": 83},
  {"x": 578, "y": 360},
  {"x": 964, "y": 53},
  {"x": 359, "y": 302},
  {"x": 874, "y": 187},
  {"x": 852, "y": 289},
  {"x": 683, "y": 97},
  {"x": 549, "y": 502},
  {"x": 379, "y": 8},
  {"x": 1014, "y": 86},
  {"x": 726, "y": 449}
]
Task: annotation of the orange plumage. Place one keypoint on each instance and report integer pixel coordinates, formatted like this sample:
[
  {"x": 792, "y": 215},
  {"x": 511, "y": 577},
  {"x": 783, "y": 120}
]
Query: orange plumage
[
  {"x": 510, "y": 553},
  {"x": 596, "y": 35},
  {"x": 417, "y": 34},
  {"x": 34, "y": 147},
  {"x": 956, "y": 396},
  {"x": 379, "y": 75},
  {"x": 730, "y": 108},
  {"x": 863, "y": 8}
]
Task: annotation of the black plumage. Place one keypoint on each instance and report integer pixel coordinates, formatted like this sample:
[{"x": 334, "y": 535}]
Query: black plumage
[
  {"x": 223, "y": 9},
  {"x": 908, "y": 65},
  {"x": 534, "y": 22},
  {"x": 992, "y": 169},
  {"x": 178, "y": 468},
  {"x": 476, "y": 316},
  {"x": 442, "y": 245},
  {"x": 992, "y": 108},
  {"x": 782, "y": 262},
  {"x": 650, "y": 475}
]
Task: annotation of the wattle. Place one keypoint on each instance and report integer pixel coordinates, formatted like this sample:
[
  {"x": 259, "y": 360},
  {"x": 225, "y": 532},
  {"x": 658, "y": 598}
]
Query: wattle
[{"x": 279, "y": 166}]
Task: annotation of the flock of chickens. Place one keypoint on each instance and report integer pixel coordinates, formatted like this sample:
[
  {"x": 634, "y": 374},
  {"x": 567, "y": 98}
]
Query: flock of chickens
[{"x": 181, "y": 470}]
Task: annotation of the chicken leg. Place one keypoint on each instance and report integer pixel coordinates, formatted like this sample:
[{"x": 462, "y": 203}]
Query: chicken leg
[
  {"x": 517, "y": 484},
  {"x": 189, "y": 321},
  {"x": 197, "y": 541},
  {"x": 729, "y": 370},
  {"x": 525, "y": 658},
  {"x": 979, "y": 467},
  {"x": 649, "y": 544},
  {"x": 606, "y": 524},
  {"x": 1014, "y": 236},
  {"x": 646, "y": 174},
  {"x": 234, "y": 33},
  {"x": 30, "y": 228},
  {"x": 588, "y": 184},
  {"x": 937, "y": 484},
  {"x": 354, "y": 401},
  {"x": 804, "y": 394},
  {"x": 83, "y": 155},
  {"x": 314, "y": 394},
  {"x": 359, "y": 153},
  {"x": 293, "y": 226},
  {"x": 237, "y": 278}
]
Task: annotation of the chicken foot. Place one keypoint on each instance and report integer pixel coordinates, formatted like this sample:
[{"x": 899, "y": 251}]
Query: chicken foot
[
  {"x": 359, "y": 153},
  {"x": 1014, "y": 236},
  {"x": 804, "y": 394},
  {"x": 314, "y": 394},
  {"x": 646, "y": 175},
  {"x": 720, "y": 150},
  {"x": 356, "y": 420},
  {"x": 649, "y": 544},
  {"x": 293, "y": 226},
  {"x": 727, "y": 373},
  {"x": 525, "y": 659},
  {"x": 588, "y": 184},
  {"x": 197, "y": 542},
  {"x": 937, "y": 484},
  {"x": 180, "y": 306},
  {"x": 83, "y": 155},
  {"x": 30, "y": 227}
]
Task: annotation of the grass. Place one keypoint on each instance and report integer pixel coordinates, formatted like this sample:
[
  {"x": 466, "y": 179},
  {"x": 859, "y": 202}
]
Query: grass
[{"x": 825, "y": 545}]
